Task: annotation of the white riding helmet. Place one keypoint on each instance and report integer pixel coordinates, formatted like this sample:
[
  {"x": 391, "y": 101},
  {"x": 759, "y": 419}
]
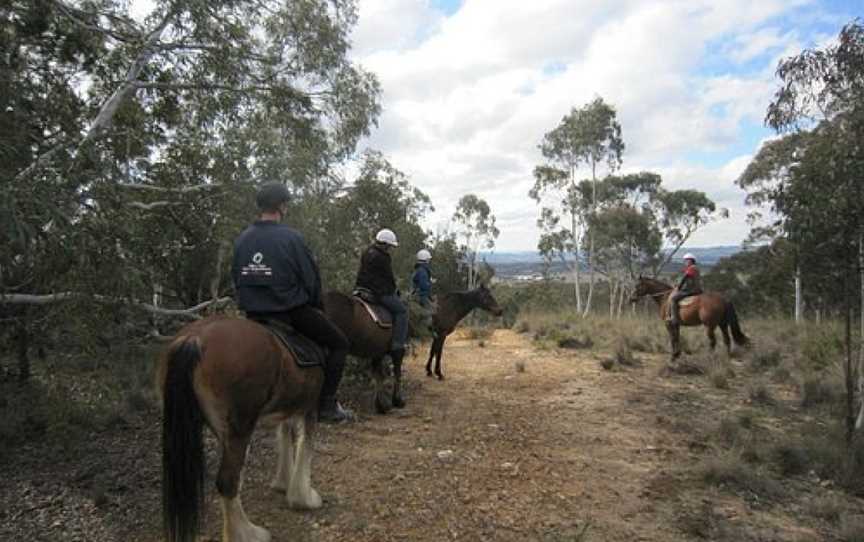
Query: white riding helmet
[
  {"x": 424, "y": 256},
  {"x": 689, "y": 256},
  {"x": 387, "y": 237}
]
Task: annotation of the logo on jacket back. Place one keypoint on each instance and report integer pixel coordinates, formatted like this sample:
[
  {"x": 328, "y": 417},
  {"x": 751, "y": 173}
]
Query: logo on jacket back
[{"x": 256, "y": 267}]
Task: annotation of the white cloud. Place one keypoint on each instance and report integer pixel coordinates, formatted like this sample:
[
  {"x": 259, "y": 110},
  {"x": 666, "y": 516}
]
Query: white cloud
[{"x": 468, "y": 97}]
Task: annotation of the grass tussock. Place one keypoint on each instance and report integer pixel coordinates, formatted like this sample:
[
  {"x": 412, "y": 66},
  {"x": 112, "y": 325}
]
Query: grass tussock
[
  {"x": 730, "y": 471},
  {"x": 852, "y": 529},
  {"x": 478, "y": 333}
]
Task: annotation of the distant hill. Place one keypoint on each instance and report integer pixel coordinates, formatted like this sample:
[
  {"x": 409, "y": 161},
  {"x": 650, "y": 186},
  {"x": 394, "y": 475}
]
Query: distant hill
[{"x": 525, "y": 265}]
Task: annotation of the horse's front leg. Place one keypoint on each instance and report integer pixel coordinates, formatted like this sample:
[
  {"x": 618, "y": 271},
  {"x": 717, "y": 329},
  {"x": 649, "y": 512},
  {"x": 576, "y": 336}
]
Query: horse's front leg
[
  {"x": 712, "y": 338},
  {"x": 398, "y": 400},
  {"x": 674, "y": 331},
  {"x": 432, "y": 349},
  {"x": 300, "y": 493},
  {"x": 284, "y": 464}
]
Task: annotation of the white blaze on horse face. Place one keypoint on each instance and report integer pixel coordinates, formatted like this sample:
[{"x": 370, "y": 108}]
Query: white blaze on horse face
[{"x": 236, "y": 527}]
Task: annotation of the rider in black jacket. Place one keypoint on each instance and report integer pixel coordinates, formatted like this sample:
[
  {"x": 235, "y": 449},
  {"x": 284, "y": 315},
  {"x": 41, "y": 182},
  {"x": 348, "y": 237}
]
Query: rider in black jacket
[
  {"x": 277, "y": 278},
  {"x": 376, "y": 275}
]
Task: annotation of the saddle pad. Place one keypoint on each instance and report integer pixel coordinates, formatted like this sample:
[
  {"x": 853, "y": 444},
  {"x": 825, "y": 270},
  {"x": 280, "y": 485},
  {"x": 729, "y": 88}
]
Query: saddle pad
[
  {"x": 306, "y": 351},
  {"x": 379, "y": 314}
]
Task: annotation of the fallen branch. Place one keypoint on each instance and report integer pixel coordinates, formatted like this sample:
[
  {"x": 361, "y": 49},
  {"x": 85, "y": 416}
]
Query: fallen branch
[{"x": 32, "y": 299}]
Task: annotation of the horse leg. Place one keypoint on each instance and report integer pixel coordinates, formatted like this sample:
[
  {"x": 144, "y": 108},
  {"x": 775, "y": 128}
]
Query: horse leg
[
  {"x": 398, "y": 400},
  {"x": 300, "y": 492},
  {"x": 724, "y": 331},
  {"x": 382, "y": 406},
  {"x": 285, "y": 444},
  {"x": 712, "y": 338},
  {"x": 432, "y": 350},
  {"x": 236, "y": 527},
  {"x": 438, "y": 355},
  {"x": 673, "y": 339}
]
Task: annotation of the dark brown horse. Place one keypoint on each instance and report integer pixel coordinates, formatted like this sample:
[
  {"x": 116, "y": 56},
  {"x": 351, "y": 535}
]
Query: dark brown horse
[
  {"x": 368, "y": 341},
  {"x": 709, "y": 309},
  {"x": 229, "y": 373},
  {"x": 452, "y": 308}
]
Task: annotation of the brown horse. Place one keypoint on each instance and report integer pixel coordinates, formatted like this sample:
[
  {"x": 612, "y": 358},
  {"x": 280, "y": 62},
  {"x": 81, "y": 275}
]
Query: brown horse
[
  {"x": 452, "y": 308},
  {"x": 708, "y": 309},
  {"x": 368, "y": 341},
  {"x": 229, "y": 373}
]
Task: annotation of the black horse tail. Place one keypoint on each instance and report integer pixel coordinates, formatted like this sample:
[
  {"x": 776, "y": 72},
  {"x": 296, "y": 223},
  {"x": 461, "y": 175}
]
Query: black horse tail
[
  {"x": 183, "y": 460},
  {"x": 731, "y": 319}
]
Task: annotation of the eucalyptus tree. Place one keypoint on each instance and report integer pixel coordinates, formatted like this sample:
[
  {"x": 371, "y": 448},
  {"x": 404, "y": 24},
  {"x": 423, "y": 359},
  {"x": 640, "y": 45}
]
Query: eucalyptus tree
[
  {"x": 591, "y": 137},
  {"x": 131, "y": 145},
  {"x": 475, "y": 228},
  {"x": 820, "y": 192}
]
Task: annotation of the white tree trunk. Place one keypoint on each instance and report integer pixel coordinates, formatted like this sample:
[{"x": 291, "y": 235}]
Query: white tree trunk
[
  {"x": 860, "y": 419},
  {"x": 591, "y": 275},
  {"x": 613, "y": 297},
  {"x": 622, "y": 294},
  {"x": 798, "y": 303},
  {"x": 576, "y": 283}
]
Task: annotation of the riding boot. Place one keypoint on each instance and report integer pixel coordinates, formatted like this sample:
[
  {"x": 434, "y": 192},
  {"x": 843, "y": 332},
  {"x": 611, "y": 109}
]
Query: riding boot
[{"x": 330, "y": 411}]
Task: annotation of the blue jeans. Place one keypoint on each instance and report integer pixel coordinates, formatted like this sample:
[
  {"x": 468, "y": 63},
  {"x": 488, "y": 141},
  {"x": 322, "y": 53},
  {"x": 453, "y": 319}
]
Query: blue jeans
[{"x": 400, "y": 320}]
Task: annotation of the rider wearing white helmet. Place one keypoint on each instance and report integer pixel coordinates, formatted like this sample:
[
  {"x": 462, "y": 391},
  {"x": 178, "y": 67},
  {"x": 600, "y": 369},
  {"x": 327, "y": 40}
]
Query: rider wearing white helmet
[
  {"x": 422, "y": 277},
  {"x": 376, "y": 276},
  {"x": 690, "y": 284}
]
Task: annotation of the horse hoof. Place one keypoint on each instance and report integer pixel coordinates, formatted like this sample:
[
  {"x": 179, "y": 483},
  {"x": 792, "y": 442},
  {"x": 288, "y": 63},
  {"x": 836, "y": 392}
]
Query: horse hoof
[
  {"x": 398, "y": 402},
  {"x": 440, "y": 376},
  {"x": 312, "y": 501},
  {"x": 382, "y": 406},
  {"x": 428, "y": 373}
]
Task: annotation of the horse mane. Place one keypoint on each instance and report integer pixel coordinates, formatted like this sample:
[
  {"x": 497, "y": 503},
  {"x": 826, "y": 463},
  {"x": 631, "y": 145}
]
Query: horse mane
[{"x": 657, "y": 282}]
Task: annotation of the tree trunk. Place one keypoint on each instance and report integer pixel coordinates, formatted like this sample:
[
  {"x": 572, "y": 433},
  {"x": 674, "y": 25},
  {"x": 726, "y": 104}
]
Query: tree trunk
[
  {"x": 622, "y": 294},
  {"x": 576, "y": 263},
  {"x": 849, "y": 367},
  {"x": 591, "y": 241},
  {"x": 613, "y": 297},
  {"x": 798, "y": 305},
  {"x": 860, "y": 421},
  {"x": 23, "y": 358}
]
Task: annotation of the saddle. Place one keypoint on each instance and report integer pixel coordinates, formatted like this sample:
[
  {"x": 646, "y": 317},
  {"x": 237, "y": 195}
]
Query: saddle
[
  {"x": 379, "y": 314},
  {"x": 306, "y": 352},
  {"x": 689, "y": 300}
]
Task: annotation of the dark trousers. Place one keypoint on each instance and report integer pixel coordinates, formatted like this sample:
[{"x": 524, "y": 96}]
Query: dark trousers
[
  {"x": 313, "y": 323},
  {"x": 400, "y": 320}
]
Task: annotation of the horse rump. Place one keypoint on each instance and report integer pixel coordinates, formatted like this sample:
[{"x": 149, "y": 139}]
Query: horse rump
[{"x": 183, "y": 459}]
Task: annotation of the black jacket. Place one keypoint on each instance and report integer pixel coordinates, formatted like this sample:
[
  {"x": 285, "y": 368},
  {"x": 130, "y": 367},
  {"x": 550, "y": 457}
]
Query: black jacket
[
  {"x": 273, "y": 269},
  {"x": 376, "y": 272}
]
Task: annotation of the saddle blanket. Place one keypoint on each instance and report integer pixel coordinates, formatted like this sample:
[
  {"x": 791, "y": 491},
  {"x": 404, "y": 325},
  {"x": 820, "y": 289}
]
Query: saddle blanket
[{"x": 307, "y": 352}]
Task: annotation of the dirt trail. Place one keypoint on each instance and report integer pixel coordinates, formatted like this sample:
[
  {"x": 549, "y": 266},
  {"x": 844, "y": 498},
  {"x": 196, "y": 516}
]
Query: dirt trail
[
  {"x": 536, "y": 445},
  {"x": 536, "y": 454}
]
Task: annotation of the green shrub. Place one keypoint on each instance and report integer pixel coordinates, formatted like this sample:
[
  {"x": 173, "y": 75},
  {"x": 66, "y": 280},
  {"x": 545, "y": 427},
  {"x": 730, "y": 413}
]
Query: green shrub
[
  {"x": 763, "y": 360},
  {"x": 816, "y": 390},
  {"x": 792, "y": 459}
]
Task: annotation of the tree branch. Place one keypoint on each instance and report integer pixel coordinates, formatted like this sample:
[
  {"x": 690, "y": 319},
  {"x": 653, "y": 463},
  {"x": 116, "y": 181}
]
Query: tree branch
[
  {"x": 31, "y": 299},
  {"x": 182, "y": 190}
]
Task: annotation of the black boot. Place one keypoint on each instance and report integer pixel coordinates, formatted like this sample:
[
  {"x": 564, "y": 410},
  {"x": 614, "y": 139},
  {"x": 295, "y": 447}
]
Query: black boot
[{"x": 330, "y": 411}]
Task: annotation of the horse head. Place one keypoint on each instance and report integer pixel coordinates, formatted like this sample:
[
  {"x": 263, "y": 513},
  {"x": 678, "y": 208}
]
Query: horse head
[
  {"x": 640, "y": 289},
  {"x": 486, "y": 301}
]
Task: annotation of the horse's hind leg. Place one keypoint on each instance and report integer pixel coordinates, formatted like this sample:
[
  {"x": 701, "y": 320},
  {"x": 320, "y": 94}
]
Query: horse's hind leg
[
  {"x": 236, "y": 527},
  {"x": 382, "y": 405},
  {"x": 398, "y": 400},
  {"x": 300, "y": 493},
  {"x": 438, "y": 353},
  {"x": 724, "y": 331},
  {"x": 285, "y": 445},
  {"x": 432, "y": 350}
]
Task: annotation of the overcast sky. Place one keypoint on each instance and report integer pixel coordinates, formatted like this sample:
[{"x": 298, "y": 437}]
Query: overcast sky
[{"x": 471, "y": 86}]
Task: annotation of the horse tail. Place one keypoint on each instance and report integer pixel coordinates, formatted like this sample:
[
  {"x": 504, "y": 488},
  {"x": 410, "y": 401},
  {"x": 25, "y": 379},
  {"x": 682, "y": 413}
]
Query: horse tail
[
  {"x": 183, "y": 460},
  {"x": 731, "y": 319}
]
